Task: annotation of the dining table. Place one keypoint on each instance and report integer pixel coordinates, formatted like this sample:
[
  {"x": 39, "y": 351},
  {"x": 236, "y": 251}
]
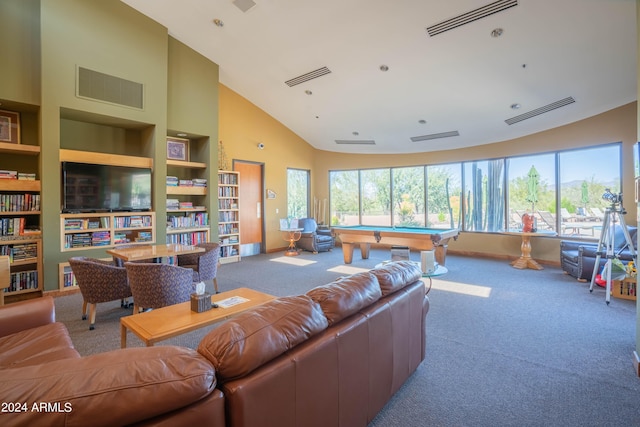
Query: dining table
[{"x": 156, "y": 253}]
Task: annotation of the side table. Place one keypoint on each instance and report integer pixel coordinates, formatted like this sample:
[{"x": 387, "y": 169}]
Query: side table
[{"x": 292, "y": 236}]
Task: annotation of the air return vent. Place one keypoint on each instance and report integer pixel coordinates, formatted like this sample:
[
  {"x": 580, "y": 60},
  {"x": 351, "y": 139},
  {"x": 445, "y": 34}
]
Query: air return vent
[
  {"x": 474, "y": 15},
  {"x": 355, "y": 141},
  {"x": 309, "y": 76},
  {"x": 541, "y": 110},
  {"x": 103, "y": 87},
  {"x": 435, "y": 136}
]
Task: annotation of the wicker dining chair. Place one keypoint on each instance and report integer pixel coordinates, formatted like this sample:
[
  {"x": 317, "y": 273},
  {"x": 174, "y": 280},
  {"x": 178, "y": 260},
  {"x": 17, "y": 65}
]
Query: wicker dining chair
[
  {"x": 156, "y": 285},
  {"x": 99, "y": 281},
  {"x": 203, "y": 264}
]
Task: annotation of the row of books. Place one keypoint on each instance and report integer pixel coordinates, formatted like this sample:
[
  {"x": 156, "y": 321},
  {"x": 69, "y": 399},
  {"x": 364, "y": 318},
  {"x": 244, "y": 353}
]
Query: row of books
[
  {"x": 227, "y": 229},
  {"x": 173, "y": 181},
  {"x": 19, "y": 202},
  {"x": 22, "y": 280},
  {"x": 230, "y": 216},
  {"x": 227, "y": 192},
  {"x": 188, "y": 238},
  {"x": 7, "y": 174},
  {"x": 12, "y": 226},
  {"x": 192, "y": 220},
  {"x": 19, "y": 252},
  {"x": 135, "y": 221},
  {"x": 86, "y": 223},
  {"x": 228, "y": 179},
  {"x": 83, "y": 240},
  {"x": 227, "y": 251},
  {"x": 227, "y": 204}
]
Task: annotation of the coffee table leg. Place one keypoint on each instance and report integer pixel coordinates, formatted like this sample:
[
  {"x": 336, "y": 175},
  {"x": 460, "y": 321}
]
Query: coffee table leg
[{"x": 123, "y": 336}]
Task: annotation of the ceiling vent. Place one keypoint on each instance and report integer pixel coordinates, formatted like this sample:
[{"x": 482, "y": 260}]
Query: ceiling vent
[
  {"x": 98, "y": 86},
  {"x": 355, "y": 141},
  {"x": 474, "y": 15},
  {"x": 244, "y": 5},
  {"x": 541, "y": 110},
  {"x": 309, "y": 76},
  {"x": 435, "y": 136}
]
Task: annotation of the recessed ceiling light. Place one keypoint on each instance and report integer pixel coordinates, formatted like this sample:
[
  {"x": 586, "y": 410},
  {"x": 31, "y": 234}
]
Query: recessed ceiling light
[
  {"x": 308, "y": 92},
  {"x": 515, "y": 106},
  {"x": 218, "y": 23},
  {"x": 497, "y": 32},
  {"x": 384, "y": 68},
  {"x": 422, "y": 122}
]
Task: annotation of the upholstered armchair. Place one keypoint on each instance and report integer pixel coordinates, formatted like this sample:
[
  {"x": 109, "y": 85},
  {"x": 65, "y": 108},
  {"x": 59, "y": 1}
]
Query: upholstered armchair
[
  {"x": 158, "y": 285},
  {"x": 578, "y": 258},
  {"x": 204, "y": 265},
  {"x": 314, "y": 239},
  {"x": 99, "y": 281}
]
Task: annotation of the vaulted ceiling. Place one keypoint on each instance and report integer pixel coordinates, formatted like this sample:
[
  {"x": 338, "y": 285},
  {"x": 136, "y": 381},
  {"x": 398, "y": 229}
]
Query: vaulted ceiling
[{"x": 403, "y": 76}]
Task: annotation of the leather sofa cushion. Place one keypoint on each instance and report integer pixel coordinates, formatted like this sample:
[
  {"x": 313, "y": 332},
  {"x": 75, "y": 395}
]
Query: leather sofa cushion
[
  {"x": 346, "y": 296},
  {"x": 396, "y": 275},
  {"x": 257, "y": 336},
  {"x": 37, "y": 345},
  {"x": 115, "y": 388}
]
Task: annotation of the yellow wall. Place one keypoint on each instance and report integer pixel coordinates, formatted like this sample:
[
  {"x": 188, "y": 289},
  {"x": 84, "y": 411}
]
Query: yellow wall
[{"x": 242, "y": 127}]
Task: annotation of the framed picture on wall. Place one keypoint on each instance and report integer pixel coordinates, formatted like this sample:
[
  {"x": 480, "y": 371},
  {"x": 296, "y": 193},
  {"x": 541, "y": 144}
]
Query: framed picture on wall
[
  {"x": 177, "y": 149},
  {"x": 9, "y": 127}
]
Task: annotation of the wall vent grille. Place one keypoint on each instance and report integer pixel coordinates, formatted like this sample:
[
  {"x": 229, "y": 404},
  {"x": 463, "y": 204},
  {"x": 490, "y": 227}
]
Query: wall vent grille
[
  {"x": 355, "y": 141},
  {"x": 435, "y": 136},
  {"x": 308, "y": 76},
  {"x": 541, "y": 110},
  {"x": 104, "y": 87},
  {"x": 474, "y": 15}
]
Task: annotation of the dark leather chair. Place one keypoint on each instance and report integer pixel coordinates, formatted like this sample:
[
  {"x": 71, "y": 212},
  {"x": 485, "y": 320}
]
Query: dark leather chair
[
  {"x": 204, "y": 265},
  {"x": 314, "y": 239},
  {"x": 99, "y": 281},
  {"x": 578, "y": 258},
  {"x": 158, "y": 285}
]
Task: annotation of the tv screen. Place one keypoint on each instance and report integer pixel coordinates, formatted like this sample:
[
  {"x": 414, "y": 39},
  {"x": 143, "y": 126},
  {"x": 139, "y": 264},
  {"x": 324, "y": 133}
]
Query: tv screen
[{"x": 91, "y": 187}]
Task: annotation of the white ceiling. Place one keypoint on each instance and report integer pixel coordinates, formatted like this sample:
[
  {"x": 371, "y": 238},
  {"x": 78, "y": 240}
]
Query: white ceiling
[{"x": 461, "y": 80}]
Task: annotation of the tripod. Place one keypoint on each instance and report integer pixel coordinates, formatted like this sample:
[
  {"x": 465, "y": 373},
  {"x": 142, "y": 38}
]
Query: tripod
[{"x": 606, "y": 244}]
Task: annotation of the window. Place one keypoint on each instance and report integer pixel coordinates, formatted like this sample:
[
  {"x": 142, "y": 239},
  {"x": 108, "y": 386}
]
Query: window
[
  {"x": 344, "y": 200},
  {"x": 297, "y": 193},
  {"x": 484, "y": 195},
  {"x": 444, "y": 190},
  {"x": 375, "y": 196},
  {"x": 537, "y": 174},
  {"x": 408, "y": 197}
]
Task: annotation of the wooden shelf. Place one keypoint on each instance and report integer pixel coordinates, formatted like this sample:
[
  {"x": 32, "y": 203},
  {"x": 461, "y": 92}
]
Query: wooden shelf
[
  {"x": 19, "y": 185},
  {"x": 187, "y": 191},
  {"x": 183, "y": 164},
  {"x": 105, "y": 159},
  {"x": 29, "y": 150}
]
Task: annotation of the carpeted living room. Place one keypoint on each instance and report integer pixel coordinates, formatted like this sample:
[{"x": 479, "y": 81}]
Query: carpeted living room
[{"x": 504, "y": 346}]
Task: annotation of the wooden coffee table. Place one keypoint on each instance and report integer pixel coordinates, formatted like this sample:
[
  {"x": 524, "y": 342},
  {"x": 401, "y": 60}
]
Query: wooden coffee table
[{"x": 167, "y": 322}]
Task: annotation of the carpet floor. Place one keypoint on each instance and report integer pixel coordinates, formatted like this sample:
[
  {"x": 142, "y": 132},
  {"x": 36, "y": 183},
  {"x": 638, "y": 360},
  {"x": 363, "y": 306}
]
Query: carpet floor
[{"x": 505, "y": 347}]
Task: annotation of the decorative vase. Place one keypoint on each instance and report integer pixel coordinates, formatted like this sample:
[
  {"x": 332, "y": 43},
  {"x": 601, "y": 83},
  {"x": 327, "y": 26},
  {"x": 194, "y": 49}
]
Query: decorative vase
[{"x": 528, "y": 223}]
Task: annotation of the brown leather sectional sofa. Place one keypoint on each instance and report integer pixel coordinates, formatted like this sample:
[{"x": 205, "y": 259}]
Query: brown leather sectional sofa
[{"x": 331, "y": 357}]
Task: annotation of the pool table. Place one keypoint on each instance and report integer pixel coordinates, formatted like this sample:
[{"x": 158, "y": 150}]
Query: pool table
[{"x": 420, "y": 238}]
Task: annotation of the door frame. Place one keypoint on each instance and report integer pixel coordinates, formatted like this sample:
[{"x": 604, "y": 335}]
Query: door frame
[{"x": 263, "y": 243}]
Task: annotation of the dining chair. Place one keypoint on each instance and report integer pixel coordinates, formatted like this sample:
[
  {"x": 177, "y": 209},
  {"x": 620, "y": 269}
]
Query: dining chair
[
  {"x": 156, "y": 285},
  {"x": 99, "y": 281},
  {"x": 203, "y": 264}
]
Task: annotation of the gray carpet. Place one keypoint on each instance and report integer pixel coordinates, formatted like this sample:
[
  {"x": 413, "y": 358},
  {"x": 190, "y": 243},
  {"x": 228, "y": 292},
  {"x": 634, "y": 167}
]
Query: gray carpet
[{"x": 505, "y": 347}]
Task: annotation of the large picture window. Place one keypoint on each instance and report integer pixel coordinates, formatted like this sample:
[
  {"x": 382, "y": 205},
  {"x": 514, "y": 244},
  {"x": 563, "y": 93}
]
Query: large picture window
[
  {"x": 563, "y": 190},
  {"x": 297, "y": 193}
]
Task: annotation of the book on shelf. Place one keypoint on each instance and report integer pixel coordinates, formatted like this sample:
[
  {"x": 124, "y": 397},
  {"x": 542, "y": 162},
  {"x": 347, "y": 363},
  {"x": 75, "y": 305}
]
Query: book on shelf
[
  {"x": 172, "y": 181},
  {"x": 26, "y": 176},
  {"x": 185, "y": 183},
  {"x": 7, "y": 174}
]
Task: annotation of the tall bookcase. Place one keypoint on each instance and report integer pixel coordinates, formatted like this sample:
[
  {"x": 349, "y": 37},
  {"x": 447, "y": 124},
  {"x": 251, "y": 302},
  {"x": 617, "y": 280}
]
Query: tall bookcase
[
  {"x": 229, "y": 216},
  {"x": 20, "y": 235},
  {"x": 187, "y": 190}
]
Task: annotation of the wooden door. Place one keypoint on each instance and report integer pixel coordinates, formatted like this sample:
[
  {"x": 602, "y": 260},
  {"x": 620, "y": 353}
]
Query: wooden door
[{"x": 251, "y": 206}]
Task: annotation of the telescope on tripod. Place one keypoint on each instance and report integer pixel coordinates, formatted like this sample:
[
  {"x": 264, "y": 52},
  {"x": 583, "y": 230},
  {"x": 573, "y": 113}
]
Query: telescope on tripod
[{"x": 614, "y": 213}]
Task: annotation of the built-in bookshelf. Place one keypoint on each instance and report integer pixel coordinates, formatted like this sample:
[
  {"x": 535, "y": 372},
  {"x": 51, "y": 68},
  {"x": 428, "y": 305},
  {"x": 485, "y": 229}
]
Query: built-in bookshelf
[
  {"x": 20, "y": 234},
  {"x": 188, "y": 219},
  {"x": 229, "y": 216},
  {"x": 99, "y": 230}
]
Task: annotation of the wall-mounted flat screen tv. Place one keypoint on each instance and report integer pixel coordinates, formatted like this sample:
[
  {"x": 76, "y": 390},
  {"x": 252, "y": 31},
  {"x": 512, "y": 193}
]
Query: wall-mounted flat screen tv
[{"x": 105, "y": 188}]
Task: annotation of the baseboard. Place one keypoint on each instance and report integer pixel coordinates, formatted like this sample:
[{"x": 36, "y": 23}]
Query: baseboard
[{"x": 636, "y": 363}]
